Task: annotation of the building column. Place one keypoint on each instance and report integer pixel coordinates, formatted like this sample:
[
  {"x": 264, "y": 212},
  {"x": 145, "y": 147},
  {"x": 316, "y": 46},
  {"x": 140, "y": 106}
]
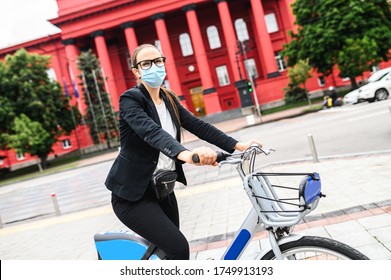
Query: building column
[
  {"x": 230, "y": 38},
  {"x": 105, "y": 62},
  {"x": 72, "y": 53},
  {"x": 130, "y": 35},
  {"x": 171, "y": 69},
  {"x": 211, "y": 97},
  {"x": 265, "y": 48}
]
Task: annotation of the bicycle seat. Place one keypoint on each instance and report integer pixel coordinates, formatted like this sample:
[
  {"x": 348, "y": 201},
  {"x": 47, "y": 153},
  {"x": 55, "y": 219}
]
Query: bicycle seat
[{"x": 125, "y": 245}]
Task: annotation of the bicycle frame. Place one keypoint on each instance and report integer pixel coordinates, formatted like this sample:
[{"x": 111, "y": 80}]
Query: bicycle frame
[{"x": 268, "y": 210}]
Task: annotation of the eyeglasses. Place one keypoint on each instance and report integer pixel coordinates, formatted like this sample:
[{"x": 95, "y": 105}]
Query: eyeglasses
[{"x": 146, "y": 64}]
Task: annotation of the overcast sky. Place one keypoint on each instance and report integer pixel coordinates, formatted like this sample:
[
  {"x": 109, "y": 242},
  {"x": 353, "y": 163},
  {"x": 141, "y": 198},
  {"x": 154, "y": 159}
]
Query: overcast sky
[{"x": 25, "y": 20}]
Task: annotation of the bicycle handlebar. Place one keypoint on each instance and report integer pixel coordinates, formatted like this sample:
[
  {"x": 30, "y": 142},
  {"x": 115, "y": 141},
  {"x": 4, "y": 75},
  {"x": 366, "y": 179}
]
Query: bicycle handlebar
[
  {"x": 220, "y": 157},
  {"x": 223, "y": 156}
]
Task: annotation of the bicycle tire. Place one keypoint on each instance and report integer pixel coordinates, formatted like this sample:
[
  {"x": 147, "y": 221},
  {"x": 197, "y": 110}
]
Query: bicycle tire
[{"x": 316, "y": 248}]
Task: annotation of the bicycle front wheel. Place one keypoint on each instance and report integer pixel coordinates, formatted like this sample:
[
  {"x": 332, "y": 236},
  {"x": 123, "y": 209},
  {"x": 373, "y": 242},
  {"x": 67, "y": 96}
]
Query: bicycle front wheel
[{"x": 316, "y": 248}]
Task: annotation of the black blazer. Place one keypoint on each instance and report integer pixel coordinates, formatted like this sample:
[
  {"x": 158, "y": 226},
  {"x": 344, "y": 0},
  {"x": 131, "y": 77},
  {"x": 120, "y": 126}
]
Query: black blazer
[{"x": 142, "y": 138}]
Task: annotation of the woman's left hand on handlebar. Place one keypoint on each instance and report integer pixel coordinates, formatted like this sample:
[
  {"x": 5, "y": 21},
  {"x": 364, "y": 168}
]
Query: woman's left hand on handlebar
[
  {"x": 242, "y": 146},
  {"x": 206, "y": 156}
]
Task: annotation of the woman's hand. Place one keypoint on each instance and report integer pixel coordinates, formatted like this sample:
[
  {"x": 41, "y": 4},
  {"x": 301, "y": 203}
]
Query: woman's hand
[
  {"x": 206, "y": 155},
  {"x": 242, "y": 146}
]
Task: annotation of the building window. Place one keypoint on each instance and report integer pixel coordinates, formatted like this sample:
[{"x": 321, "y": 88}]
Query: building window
[
  {"x": 281, "y": 63},
  {"x": 321, "y": 81},
  {"x": 271, "y": 23},
  {"x": 185, "y": 42},
  {"x": 66, "y": 144},
  {"x": 158, "y": 45},
  {"x": 241, "y": 30},
  {"x": 51, "y": 74},
  {"x": 20, "y": 156},
  {"x": 222, "y": 75},
  {"x": 251, "y": 68},
  {"x": 213, "y": 37},
  {"x": 128, "y": 60}
]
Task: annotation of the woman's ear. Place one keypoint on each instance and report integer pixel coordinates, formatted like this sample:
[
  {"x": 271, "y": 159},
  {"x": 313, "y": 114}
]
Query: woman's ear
[{"x": 135, "y": 72}]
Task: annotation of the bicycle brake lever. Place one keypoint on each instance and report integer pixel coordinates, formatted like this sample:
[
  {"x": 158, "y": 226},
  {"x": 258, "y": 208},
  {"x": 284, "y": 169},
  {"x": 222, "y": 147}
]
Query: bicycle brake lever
[{"x": 268, "y": 151}]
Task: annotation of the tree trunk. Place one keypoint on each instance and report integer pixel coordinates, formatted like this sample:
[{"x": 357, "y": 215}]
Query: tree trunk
[
  {"x": 44, "y": 162},
  {"x": 353, "y": 82},
  {"x": 307, "y": 94}
]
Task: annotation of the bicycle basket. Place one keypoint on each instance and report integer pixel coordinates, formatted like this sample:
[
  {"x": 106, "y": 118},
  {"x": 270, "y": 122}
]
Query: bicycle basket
[{"x": 280, "y": 205}]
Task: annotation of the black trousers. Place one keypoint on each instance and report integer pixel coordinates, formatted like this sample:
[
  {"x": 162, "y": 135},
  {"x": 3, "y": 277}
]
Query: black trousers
[{"x": 155, "y": 220}]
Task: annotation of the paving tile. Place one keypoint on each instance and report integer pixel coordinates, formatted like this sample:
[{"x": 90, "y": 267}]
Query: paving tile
[
  {"x": 377, "y": 211},
  {"x": 388, "y": 246},
  {"x": 382, "y": 234},
  {"x": 377, "y": 221},
  {"x": 344, "y": 228},
  {"x": 358, "y": 239},
  {"x": 375, "y": 251},
  {"x": 316, "y": 231}
]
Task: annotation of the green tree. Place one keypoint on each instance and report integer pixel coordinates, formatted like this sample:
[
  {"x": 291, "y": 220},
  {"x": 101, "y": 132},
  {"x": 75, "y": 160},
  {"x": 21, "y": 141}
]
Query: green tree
[
  {"x": 29, "y": 137},
  {"x": 353, "y": 58},
  {"x": 25, "y": 88},
  {"x": 298, "y": 75},
  {"x": 330, "y": 29},
  {"x": 100, "y": 113}
]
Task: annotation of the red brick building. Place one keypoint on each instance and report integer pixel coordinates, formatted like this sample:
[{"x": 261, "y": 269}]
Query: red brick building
[{"x": 199, "y": 39}]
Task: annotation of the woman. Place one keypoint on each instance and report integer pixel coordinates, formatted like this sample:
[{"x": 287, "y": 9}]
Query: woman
[{"x": 150, "y": 122}]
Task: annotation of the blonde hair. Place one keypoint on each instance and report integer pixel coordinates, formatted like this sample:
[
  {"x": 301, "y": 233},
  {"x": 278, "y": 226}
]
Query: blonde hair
[{"x": 169, "y": 93}]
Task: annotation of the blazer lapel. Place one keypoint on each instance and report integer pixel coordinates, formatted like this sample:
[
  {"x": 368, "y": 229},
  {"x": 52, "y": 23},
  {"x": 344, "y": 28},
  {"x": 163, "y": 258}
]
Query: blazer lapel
[{"x": 151, "y": 105}]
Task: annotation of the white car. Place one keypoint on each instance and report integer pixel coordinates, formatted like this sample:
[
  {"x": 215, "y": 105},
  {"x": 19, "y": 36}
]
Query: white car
[
  {"x": 376, "y": 91},
  {"x": 353, "y": 96}
]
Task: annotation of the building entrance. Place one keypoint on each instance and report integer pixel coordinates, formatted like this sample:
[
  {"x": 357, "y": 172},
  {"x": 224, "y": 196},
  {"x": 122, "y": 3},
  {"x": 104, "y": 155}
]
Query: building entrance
[{"x": 198, "y": 101}]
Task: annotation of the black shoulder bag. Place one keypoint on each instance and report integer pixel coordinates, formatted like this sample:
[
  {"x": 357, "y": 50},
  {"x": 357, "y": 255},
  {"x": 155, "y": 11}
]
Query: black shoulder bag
[{"x": 163, "y": 183}]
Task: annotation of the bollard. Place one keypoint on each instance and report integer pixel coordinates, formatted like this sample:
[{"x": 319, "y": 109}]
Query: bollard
[
  {"x": 313, "y": 149},
  {"x": 250, "y": 120},
  {"x": 55, "y": 204}
]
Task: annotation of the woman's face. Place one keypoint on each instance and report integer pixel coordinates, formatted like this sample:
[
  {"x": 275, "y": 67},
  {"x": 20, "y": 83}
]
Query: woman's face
[{"x": 149, "y": 53}]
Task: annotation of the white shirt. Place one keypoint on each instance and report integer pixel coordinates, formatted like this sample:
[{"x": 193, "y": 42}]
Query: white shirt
[{"x": 164, "y": 161}]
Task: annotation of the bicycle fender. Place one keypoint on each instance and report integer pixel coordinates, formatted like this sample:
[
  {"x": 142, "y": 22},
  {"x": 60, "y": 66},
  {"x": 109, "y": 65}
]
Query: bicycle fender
[{"x": 283, "y": 240}]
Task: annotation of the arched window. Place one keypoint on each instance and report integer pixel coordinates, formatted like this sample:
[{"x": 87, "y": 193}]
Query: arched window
[
  {"x": 241, "y": 30},
  {"x": 185, "y": 42},
  {"x": 213, "y": 37}
]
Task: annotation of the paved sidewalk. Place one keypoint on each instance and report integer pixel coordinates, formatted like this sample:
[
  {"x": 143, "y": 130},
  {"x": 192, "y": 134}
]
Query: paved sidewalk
[{"x": 356, "y": 211}]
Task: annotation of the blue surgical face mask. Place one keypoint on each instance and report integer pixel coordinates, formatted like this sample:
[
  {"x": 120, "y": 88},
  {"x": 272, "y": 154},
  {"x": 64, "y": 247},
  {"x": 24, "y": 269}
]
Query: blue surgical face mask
[{"x": 154, "y": 76}]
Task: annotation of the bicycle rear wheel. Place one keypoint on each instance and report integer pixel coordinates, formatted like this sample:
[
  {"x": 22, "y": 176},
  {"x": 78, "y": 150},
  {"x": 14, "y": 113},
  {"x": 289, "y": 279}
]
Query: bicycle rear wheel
[{"x": 316, "y": 248}]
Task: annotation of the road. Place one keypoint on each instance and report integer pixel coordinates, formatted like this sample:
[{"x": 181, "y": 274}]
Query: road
[
  {"x": 360, "y": 128},
  {"x": 354, "y": 129}
]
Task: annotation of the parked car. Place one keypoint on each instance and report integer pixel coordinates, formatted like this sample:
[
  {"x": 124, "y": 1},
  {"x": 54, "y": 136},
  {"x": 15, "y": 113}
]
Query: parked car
[
  {"x": 376, "y": 91},
  {"x": 353, "y": 96}
]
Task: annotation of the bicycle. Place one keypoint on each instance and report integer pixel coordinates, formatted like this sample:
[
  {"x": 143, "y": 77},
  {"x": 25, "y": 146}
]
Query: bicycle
[{"x": 278, "y": 215}]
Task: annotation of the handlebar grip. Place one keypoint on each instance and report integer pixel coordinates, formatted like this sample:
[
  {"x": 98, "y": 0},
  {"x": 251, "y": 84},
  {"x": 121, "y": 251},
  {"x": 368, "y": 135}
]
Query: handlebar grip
[
  {"x": 195, "y": 158},
  {"x": 220, "y": 157}
]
